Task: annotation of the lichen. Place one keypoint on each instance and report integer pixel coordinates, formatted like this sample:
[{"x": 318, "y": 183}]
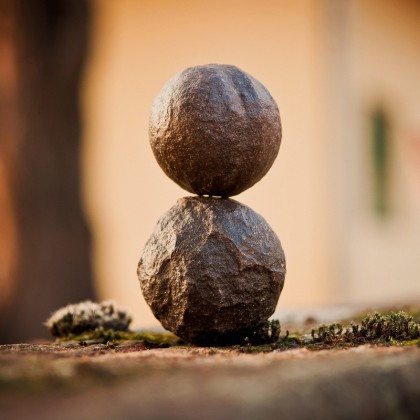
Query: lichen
[{"x": 87, "y": 316}]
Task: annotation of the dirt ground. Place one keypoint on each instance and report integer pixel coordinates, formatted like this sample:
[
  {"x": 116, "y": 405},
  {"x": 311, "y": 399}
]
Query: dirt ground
[{"x": 127, "y": 381}]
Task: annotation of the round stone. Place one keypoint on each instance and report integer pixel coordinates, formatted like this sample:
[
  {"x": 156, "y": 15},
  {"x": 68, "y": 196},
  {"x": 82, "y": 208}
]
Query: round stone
[
  {"x": 212, "y": 271},
  {"x": 215, "y": 130}
]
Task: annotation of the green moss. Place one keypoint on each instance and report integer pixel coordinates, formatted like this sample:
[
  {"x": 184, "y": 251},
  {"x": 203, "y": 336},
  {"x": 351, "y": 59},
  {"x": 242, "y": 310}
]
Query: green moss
[
  {"x": 149, "y": 339},
  {"x": 390, "y": 328},
  {"x": 267, "y": 333},
  {"x": 408, "y": 343},
  {"x": 89, "y": 322}
]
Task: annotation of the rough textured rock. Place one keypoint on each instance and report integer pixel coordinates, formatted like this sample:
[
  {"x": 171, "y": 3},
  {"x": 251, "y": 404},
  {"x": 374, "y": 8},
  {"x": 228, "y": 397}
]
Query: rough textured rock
[
  {"x": 215, "y": 130},
  {"x": 212, "y": 271}
]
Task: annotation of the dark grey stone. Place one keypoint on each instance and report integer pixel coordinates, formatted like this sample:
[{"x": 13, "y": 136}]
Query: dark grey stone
[
  {"x": 212, "y": 271},
  {"x": 215, "y": 130}
]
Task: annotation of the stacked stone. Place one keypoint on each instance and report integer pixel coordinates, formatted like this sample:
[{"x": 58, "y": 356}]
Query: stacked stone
[{"x": 213, "y": 270}]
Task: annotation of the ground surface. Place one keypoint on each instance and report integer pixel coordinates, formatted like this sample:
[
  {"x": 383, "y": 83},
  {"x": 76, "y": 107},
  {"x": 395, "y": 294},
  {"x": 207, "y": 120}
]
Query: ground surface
[{"x": 127, "y": 381}]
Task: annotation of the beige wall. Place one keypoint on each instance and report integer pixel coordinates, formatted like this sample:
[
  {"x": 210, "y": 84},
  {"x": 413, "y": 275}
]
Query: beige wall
[
  {"x": 384, "y": 253},
  {"x": 293, "y": 47}
]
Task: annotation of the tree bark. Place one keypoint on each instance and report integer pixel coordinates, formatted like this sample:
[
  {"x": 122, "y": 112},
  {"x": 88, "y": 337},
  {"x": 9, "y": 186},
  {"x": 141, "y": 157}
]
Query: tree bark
[{"x": 51, "y": 263}]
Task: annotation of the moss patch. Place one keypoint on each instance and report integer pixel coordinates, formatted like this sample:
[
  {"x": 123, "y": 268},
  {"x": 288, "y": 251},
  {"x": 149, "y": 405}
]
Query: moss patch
[
  {"x": 149, "y": 339},
  {"x": 390, "y": 328}
]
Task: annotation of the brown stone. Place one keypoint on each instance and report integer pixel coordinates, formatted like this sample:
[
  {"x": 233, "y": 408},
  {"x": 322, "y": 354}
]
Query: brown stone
[
  {"x": 215, "y": 130},
  {"x": 212, "y": 271}
]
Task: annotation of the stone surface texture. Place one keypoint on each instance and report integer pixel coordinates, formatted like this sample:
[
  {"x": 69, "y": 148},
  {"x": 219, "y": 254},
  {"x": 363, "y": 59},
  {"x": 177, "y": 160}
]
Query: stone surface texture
[
  {"x": 215, "y": 130},
  {"x": 212, "y": 271},
  {"x": 122, "y": 382}
]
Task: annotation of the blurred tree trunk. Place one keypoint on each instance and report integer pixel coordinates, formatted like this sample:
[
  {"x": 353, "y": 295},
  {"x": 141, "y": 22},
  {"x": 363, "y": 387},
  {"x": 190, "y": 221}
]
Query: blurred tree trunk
[{"x": 51, "y": 259}]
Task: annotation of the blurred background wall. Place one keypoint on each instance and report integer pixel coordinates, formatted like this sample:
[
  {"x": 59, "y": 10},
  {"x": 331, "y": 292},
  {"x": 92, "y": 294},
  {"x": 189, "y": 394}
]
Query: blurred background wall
[
  {"x": 44, "y": 238},
  {"x": 344, "y": 193}
]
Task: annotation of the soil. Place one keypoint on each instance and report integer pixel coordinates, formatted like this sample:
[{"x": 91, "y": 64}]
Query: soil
[{"x": 126, "y": 380}]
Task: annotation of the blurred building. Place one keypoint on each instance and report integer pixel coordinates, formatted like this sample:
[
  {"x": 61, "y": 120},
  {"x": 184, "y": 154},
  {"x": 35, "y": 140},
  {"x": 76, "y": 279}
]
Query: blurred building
[{"x": 344, "y": 193}]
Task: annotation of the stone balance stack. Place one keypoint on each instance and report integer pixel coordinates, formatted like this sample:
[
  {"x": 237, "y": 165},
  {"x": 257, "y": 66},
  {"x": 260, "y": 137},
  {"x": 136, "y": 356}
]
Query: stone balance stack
[{"x": 213, "y": 270}]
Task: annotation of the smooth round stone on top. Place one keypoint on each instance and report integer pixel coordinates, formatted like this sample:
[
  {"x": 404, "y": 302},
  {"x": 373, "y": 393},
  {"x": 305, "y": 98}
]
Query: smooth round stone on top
[
  {"x": 215, "y": 130},
  {"x": 212, "y": 271}
]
